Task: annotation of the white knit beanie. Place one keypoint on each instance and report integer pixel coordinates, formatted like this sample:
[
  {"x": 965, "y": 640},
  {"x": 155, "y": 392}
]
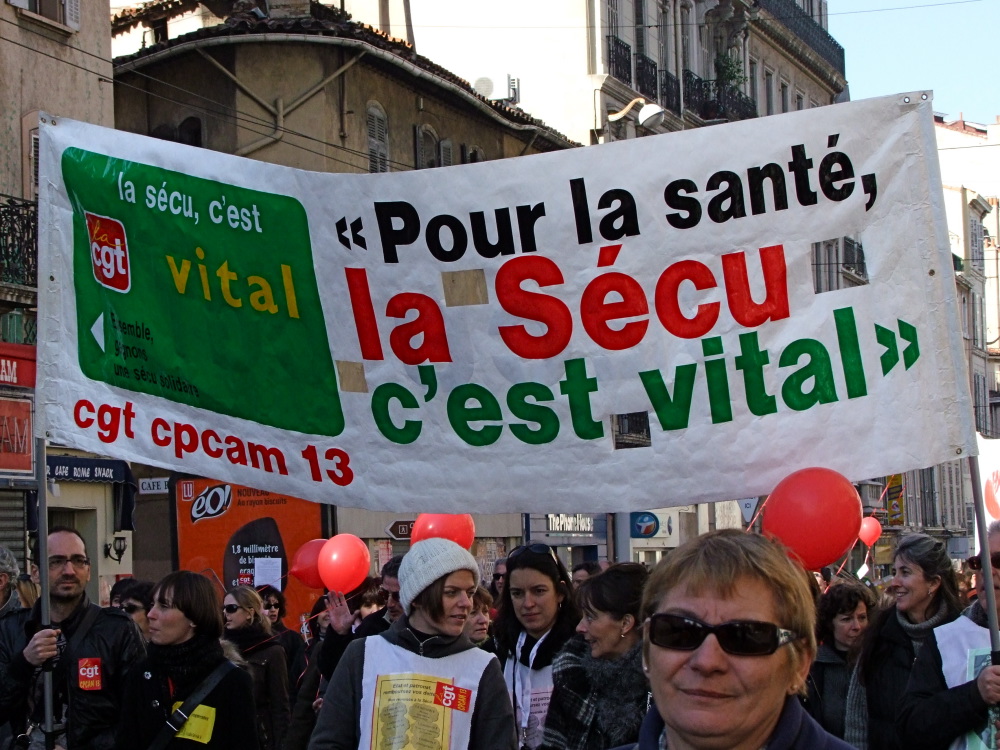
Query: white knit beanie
[{"x": 428, "y": 560}]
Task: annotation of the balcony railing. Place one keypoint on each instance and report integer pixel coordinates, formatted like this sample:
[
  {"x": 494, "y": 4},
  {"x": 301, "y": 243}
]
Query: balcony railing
[
  {"x": 18, "y": 241},
  {"x": 619, "y": 60},
  {"x": 805, "y": 28},
  {"x": 645, "y": 76},
  {"x": 670, "y": 91},
  {"x": 711, "y": 101}
]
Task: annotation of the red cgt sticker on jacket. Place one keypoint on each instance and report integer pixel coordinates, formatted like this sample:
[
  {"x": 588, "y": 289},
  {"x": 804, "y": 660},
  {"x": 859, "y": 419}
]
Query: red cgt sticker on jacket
[
  {"x": 450, "y": 696},
  {"x": 89, "y": 673}
]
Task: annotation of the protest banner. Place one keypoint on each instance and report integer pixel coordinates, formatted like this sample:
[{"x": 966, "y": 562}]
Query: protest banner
[{"x": 619, "y": 327}]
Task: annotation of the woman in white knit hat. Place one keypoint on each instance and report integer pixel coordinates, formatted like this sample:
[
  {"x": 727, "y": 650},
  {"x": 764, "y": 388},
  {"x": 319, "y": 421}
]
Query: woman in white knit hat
[{"x": 421, "y": 683}]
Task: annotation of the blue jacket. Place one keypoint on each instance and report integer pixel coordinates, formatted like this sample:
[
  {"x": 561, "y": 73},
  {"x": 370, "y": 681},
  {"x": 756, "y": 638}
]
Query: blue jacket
[{"x": 796, "y": 730}]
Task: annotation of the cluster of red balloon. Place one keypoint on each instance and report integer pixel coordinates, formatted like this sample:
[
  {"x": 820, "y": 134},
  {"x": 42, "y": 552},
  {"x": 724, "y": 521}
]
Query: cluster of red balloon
[{"x": 342, "y": 562}]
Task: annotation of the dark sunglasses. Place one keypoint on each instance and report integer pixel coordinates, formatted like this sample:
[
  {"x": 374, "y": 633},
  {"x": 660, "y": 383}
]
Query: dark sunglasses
[
  {"x": 272, "y": 605},
  {"x": 231, "y": 609},
  {"x": 389, "y": 594},
  {"x": 497, "y": 576},
  {"x": 132, "y": 608},
  {"x": 976, "y": 562},
  {"x": 738, "y": 637},
  {"x": 537, "y": 548}
]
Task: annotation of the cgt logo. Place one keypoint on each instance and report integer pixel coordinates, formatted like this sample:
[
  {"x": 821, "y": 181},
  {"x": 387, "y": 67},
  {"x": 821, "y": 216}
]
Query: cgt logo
[
  {"x": 109, "y": 252},
  {"x": 89, "y": 673},
  {"x": 212, "y": 503},
  {"x": 452, "y": 697}
]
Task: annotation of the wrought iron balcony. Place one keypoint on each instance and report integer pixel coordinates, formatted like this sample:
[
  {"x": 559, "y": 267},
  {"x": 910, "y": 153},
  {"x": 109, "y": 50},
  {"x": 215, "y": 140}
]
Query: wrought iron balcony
[
  {"x": 854, "y": 258},
  {"x": 805, "y": 28},
  {"x": 711, "y": 101},
  {"x": 18, "y": 241},
  {"x": 670, "y": 91},
  {"x": 619, "y": 60},
  {"x": 645, "y": 76}
]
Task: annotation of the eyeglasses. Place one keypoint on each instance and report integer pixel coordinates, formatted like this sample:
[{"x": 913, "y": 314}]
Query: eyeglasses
[
  {"x": 132, "y": 608},
  {"x": 58, "y": 562},
  {"x": 272, "y": 605},
  {"x": 231, "y": 609},
  {"x": 390, "y": 594},
  {"x": 497, "y": 576},
  {"x": 737, "y": 637},
  {"x": 976, "y": 562}
]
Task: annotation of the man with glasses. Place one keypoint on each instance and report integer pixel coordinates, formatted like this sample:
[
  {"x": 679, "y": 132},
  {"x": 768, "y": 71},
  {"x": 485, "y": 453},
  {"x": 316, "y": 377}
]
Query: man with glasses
[
  {"x": 340, "y": 634},
  {"x": 87, "y": 648}
]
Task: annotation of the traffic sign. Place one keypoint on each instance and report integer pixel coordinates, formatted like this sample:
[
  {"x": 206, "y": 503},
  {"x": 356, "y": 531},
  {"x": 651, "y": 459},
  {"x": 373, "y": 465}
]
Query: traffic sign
[{"x": 400, "y": 530}]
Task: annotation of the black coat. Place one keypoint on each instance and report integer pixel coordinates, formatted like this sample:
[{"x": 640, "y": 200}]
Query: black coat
[
  {"x": 829, "y": 677},
  {"x": 92, "y": 714},
  {"x": 148, "y": 704},
  {"x": 796, "y": 730}
]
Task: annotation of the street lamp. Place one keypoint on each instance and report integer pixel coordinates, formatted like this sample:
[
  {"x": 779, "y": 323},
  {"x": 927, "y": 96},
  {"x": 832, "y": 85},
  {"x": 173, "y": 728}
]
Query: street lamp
[{"x": 649, "y": 116}]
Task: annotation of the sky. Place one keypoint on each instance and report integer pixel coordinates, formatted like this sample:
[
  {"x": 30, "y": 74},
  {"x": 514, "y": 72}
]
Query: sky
[{"x": 949, "y": 46}]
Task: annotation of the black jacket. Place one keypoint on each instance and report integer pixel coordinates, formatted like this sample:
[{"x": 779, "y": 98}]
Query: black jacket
[
  {"x": 93, "y": 713},
  {"x": 148, "y": 704},
  {"x": 932, "y": 715},
  {"x": 266, "y": 664},
  {"x": 796, "y": 730},
  {"x": 829, "y": 677}
]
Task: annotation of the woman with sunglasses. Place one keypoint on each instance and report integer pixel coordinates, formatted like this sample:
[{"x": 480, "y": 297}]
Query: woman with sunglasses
[
  {"x": 537, "y": 616},
  {"x": 926, "y": 596},
  {"x": 134, "y": 599},
  {"x": 275, "y": 609},
  {"x": 600, "y": 694},
  {"x": 728, "y": 639},
  {"x": 421, "y": 684},
  {"x": 942, "y": 707},
  {"x": 250, "y": 631},
  {"x": 185, "y": 626}
]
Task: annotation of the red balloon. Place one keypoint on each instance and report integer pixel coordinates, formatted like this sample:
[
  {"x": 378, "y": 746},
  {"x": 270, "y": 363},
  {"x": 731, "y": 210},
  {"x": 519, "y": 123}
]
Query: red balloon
[
  {"x": 460, "y": 528},
  {"x": 344, "y": 562},
  {"x": 305, "y": 561},
  {"x": 816, "y": 513},
  {"x": 871, "y": 530}
]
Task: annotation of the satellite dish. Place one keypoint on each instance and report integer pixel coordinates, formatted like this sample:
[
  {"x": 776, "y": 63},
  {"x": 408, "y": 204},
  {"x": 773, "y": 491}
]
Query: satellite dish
[{"x": 484, "y": 86}]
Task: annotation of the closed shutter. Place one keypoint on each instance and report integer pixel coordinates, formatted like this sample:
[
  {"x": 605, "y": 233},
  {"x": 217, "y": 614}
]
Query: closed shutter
[
  {"x": 378, "y": 142},
  {"x": 12, "y": 524},
  {"x": 73, "y": 14},
  {"x": 447, "y": 153},
  {"x": 34, "y": 164}
]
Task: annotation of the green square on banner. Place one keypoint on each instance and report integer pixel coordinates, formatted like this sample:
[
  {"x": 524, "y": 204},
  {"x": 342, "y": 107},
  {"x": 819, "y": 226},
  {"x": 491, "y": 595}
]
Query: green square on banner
[{"x": 199, "y": 292}]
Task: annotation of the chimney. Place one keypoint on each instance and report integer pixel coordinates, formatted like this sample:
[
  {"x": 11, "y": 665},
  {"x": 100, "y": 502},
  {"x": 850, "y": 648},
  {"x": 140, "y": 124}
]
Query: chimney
[{"x": 289, "y": 8}]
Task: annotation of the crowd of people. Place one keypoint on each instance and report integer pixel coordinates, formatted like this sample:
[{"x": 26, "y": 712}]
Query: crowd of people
[{"x": 726, "y": 644}]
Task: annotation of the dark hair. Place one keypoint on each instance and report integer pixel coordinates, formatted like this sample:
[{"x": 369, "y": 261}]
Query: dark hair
[
  {"x": 391, "y": 568},
  {"x": 507, "y": 626},
  {"x": 592, "y": 567},
  {"x": 196, "y": 597},
  {"x": 120, "y": 585},
  {"x": 370, "y": 593},
  {"x": 141, "y": 591},
  {"x": 839, "y": 599},
  {"x": 268, "y": 591},
  {"x": 931, "y": 556},
  {"x": 59, "y": 530},
  {"x": 482, "y": 598},
  {"x": 318, "y": 606},
  {"x": 617, "y": 591}
]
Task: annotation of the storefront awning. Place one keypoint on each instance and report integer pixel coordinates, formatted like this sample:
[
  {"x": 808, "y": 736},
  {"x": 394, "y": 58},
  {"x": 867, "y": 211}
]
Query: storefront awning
[{"x": 81, "y": 469}]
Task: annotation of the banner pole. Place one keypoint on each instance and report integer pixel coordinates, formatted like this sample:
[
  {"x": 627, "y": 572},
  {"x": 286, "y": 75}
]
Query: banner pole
[
  {"x": 42, "y": 512},
  {"x": 984, "y": 554}
]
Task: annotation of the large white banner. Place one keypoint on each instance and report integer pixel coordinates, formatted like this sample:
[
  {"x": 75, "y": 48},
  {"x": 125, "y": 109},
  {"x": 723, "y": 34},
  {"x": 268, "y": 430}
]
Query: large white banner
[{"x": 625, "y": 326}]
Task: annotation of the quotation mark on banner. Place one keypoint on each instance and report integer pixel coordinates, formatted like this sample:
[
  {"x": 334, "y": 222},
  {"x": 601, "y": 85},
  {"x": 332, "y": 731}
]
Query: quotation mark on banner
[
  {"x": 356, "y": 227},
  {"x": 887, "y": 338}
]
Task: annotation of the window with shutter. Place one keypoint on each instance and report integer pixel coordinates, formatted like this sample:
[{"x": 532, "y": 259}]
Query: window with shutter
[
  {"x": 73, "y": 14},
  {"x": 378, "y": 140},
  {"x": 428, "y": 155},
  {"x": 447, "y": 153},
  {"x": 33, "y": 166}
]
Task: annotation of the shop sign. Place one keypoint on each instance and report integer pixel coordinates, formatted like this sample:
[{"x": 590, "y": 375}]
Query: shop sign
[
  {"x": 17, "y": 365},
  {"x": 154, "y": 485},
  {"x": 572, "y": 523},
  {"x": 16, "y": 444}
]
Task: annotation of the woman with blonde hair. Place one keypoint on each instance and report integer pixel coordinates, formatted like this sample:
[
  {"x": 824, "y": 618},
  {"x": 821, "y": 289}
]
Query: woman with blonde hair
[
  {"x": 728, "y": 637},
  {"x": 250, "y": 631}
]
